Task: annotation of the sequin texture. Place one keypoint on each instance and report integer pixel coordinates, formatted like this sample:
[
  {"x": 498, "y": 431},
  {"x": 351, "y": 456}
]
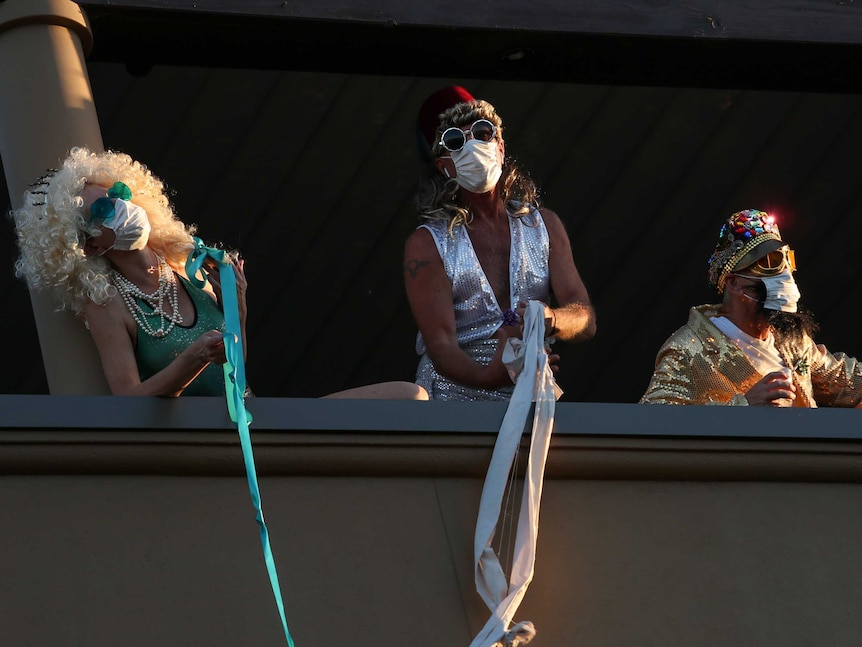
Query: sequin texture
[
  {"x": 477, "y": 313},
  {"x": 698, "y": 364}
]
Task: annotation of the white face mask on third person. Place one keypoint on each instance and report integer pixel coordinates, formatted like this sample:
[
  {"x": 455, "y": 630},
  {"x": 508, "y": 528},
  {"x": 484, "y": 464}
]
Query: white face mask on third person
[
  {"x": 477, "y": 166},
  {"x": 782, "y": 293}
]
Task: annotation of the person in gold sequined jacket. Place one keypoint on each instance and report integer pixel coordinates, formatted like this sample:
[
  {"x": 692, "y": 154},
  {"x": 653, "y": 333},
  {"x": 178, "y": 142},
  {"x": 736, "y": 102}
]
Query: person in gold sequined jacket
[{"x": 756, "y": 347}]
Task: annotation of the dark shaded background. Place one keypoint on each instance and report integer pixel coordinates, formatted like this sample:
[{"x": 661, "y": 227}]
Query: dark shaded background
[{"x": 311, "y": 175}]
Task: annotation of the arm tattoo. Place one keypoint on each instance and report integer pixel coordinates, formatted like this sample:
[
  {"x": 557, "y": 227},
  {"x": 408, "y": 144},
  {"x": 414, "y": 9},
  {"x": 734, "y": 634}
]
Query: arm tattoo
[{"x": 413, "y": 266}]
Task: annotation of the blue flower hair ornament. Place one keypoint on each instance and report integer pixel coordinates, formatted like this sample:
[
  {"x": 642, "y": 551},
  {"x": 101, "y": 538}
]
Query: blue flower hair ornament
[{"x": 102, "y": 209}]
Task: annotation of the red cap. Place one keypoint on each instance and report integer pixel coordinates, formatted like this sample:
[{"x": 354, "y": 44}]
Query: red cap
[{"x": 429, "y": 114}]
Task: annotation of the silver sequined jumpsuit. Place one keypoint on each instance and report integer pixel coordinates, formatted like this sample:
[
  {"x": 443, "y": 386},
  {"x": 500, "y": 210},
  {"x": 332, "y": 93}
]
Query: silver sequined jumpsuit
[{"x": 477, "y": 313}]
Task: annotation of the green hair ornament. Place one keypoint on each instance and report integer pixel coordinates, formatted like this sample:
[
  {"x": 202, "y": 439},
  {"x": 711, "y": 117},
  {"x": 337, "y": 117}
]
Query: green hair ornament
[{"x": 102, "y": 209}]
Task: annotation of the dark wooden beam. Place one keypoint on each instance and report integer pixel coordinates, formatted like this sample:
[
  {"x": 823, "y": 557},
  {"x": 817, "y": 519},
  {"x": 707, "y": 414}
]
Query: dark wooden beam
[
  {"x": 605, "y": 43},
  {"x": 801, "y": 21}
]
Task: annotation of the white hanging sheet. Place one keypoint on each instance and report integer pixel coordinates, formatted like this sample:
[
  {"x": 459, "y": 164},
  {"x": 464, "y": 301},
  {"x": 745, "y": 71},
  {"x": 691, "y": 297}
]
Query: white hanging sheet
[{"x": 527, "y": 361}]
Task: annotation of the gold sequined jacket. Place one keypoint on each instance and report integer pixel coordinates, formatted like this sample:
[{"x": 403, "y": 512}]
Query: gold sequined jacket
[{"x": 698, "y": 364}]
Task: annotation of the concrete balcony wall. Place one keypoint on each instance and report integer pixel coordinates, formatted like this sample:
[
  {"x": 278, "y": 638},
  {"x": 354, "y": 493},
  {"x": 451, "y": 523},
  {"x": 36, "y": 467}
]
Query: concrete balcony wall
[{"x": 128, "y": 521}]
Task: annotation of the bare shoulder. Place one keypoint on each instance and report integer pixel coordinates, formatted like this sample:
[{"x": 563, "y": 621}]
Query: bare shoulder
[
  {"x": 553, "y": 223},
  {"x": 105, "y": 310},
  {"x": 420, "y": 252},
  {"x": 101, "y": 316},
  {"x": 420, "y": 241}
]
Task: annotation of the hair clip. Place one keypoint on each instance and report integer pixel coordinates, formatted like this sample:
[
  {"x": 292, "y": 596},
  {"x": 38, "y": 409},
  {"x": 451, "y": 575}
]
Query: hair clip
[
  {"x": 41, "y": 181},
  {"x": 45, "y": 178}
]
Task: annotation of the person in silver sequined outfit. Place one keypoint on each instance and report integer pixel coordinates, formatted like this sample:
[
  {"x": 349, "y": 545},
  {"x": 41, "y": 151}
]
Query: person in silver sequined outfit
[{"x": 483, "y": 249}]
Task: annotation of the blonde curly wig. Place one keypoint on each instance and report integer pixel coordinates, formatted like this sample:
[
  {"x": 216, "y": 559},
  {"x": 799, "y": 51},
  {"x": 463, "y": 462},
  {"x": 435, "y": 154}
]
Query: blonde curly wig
[
  {"x": 437, "y": 196},
  {"x": 51, "y": 227}
]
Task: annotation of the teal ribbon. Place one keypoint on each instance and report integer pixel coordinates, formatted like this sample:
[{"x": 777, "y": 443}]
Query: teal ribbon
[{"x": 234, "y": 385}]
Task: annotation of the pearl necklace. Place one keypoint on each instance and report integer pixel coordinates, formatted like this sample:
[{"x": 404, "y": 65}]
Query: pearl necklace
[{"x": 166, "y": 293}]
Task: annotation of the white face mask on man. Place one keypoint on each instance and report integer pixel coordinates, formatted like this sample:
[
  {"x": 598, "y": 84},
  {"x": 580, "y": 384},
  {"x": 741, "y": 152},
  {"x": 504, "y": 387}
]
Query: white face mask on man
[
  {"x": 477, "y": 165},
  {"x": 782, "y": 293},
  {"x": 130, "y": 225}
]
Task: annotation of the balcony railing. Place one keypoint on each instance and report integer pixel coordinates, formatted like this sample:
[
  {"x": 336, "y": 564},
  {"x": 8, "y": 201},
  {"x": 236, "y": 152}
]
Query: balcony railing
[{"x": 127, "y": 521}]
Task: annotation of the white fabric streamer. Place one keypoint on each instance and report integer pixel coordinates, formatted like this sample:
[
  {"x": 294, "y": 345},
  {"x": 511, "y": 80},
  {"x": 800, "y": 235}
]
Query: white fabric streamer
[
  {"x": 534, "y": 383},
  {"x": 520, "y": 634}
]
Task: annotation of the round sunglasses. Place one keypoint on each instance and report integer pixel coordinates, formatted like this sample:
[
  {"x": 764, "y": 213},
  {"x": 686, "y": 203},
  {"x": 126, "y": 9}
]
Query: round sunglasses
[{"x": 454, "y": 139}]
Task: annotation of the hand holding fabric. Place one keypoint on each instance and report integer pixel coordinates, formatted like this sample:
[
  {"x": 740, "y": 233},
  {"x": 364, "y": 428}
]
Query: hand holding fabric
[
  {"x": 208, "y": 348},
  {"x": 212, "y": 271},
  {"x": 776, "y": 389}
]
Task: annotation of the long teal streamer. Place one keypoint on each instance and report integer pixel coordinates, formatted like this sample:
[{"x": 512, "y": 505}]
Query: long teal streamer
[{"x": 234, "y": 385}]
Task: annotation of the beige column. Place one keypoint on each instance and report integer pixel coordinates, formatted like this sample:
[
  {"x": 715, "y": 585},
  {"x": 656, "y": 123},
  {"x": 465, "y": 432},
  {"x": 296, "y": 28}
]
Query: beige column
[{"x": 46, "y": 107}]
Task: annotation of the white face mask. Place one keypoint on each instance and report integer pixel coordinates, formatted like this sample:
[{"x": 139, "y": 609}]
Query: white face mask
[
  {"x": 130, "y": 224},
  {"x": 782, "y": 293},
  {"x": 477, "y": 166}
]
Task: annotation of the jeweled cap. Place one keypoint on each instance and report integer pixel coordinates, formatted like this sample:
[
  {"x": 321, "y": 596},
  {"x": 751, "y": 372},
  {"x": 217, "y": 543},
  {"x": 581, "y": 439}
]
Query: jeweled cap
[{"x": 745, "y": 237}]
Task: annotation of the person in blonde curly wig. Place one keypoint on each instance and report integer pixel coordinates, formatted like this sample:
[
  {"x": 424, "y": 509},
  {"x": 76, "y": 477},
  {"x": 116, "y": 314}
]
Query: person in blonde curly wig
[
  {"x": 484, "y": 248},
  {"x": 102, "y": 236},
  {"x": 52, "y": 228}
]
